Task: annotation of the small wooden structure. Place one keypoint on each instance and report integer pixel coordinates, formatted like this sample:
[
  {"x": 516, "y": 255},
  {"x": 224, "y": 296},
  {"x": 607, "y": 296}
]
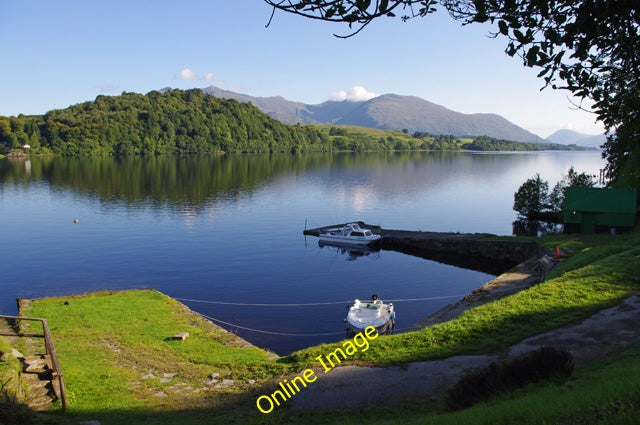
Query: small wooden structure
[
  {"x": 590, "y": 209},
  {"x": 51, "y": 358}
]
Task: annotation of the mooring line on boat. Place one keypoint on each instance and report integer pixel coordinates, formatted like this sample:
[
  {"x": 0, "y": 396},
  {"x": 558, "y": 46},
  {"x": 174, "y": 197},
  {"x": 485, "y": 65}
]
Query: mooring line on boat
[
  {"x": 259, "y": 304},
  {"x": 267, "y": 332},
  {"x": 427, "y": 299},
  {"x": 311, "y": 304}
]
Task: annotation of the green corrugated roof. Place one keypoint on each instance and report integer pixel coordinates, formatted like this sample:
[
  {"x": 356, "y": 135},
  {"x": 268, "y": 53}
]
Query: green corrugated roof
[{"x": 591, "y": 199}]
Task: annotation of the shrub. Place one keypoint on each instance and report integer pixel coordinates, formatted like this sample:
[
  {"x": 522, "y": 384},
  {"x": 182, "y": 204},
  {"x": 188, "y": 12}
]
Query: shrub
[{"x": 481, "y": 385}]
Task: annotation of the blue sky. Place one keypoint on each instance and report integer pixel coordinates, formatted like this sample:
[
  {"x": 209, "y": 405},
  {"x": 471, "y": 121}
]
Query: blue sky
[{"x": 58, "y": 53}]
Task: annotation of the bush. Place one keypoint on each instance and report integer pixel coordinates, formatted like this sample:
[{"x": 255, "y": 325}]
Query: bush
[
  {"x": 532, "y": 198},
  {"x": 535, "y": 366}
]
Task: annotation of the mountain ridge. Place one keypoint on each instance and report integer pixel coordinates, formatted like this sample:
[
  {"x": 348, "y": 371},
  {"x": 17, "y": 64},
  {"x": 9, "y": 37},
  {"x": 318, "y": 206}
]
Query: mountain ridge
[
  {"x": 386, "y": 112},
  {"x": 571, "y": 137}
]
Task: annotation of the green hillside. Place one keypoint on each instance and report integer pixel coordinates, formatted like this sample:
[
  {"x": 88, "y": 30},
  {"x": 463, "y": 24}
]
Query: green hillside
[
  {"x": 174, "y": 122},
  {"x": 354, "y": 138},
  {"x": 193, "y": 122}
]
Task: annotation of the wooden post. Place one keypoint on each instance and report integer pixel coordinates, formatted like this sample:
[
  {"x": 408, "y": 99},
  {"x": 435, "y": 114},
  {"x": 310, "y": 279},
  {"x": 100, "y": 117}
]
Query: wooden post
[{"x": 50, "y": 350}]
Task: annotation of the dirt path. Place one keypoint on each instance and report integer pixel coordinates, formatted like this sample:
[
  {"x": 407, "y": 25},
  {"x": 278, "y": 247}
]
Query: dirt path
[
  {"x": 602, "y": 334},
  {"x": 355, "y": 386}
]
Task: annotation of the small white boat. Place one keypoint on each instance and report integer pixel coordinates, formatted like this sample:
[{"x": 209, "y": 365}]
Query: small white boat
[
  {"x": 370, "y": 313},
  {"x": 349, "y": 234}
]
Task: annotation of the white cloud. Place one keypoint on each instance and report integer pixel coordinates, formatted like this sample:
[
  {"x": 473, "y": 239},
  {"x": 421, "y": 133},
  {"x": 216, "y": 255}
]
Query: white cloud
[
  {"x": 187, "y": 74},
  {"x": 355, "y": 94}
]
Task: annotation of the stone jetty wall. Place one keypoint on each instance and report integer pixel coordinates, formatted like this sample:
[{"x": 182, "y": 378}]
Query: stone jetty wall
[{"x": 476, "y": 251}]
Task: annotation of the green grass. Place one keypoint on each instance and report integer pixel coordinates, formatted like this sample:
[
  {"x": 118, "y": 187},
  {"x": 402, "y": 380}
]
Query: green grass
[
  {"x": 108, "y": 341},
  {"x": 607, "y": 392},
  {"x": 8, "y": 369},
  {"x": 354, "y": 138}
]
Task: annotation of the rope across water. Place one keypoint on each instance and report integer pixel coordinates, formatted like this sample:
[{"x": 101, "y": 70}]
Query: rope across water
[
  {"x": 309, "y": 304},
  {"x": 213, "y": 319}
]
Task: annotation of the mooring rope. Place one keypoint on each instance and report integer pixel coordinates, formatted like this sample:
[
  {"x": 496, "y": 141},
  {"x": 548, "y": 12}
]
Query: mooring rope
[
  {"x": 213, "y": 319},
  {"x": 311, "y": 304}
]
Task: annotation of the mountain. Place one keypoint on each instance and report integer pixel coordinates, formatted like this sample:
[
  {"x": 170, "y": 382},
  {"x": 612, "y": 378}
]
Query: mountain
[
  {"x": 386, "y": 112},
  {"x": 570, "y": 137}
]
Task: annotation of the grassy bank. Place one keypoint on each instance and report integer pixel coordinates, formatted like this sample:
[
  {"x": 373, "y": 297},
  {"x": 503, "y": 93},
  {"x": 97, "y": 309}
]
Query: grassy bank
[
  {"x": 119, "y": 360},
  {"x": 121, "y": 364}
]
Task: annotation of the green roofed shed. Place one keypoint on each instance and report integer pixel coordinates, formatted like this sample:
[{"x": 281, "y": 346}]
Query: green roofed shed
[{"x": 590, "y": 209}]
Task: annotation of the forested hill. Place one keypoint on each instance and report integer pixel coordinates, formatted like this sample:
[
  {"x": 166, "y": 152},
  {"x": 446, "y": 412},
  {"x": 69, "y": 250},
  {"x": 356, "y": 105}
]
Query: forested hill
[
  {"x": 174, "y": 122},
  {"x": 193, "y": 122}
]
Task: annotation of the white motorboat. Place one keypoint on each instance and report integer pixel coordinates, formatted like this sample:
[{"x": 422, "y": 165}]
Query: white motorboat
[
  {"x": 370, "y": 313},
  {"x": 349, "y": 234}
]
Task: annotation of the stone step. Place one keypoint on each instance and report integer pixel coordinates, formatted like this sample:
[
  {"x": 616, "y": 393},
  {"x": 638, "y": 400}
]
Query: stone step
[
  {"x": 40, "y": 404},
  {"x": 40, "y": 391},
  {"x": 35, "y": 364}
]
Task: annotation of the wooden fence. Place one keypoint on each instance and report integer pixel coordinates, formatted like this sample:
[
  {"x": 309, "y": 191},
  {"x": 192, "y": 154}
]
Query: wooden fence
[{"x": 50, "y": 350}]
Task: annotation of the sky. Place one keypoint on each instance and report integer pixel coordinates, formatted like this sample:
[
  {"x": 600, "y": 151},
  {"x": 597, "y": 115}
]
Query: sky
[{"x": 59, "y": 53}]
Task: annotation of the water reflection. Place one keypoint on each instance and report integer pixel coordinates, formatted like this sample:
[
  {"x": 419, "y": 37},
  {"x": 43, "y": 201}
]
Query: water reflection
[
  {"x": 523, "y": 227},
  {"x": 351, "y": 252},
  {"x": 437, "y": 191}
]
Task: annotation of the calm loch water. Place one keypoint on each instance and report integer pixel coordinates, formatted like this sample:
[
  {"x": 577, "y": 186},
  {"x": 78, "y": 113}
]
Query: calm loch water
[{"x": 229, "y": 230}]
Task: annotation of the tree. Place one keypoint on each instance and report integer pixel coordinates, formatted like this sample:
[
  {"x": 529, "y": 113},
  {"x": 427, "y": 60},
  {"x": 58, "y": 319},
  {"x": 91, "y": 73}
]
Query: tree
[
  {"x": 588, "y": 47},
  {"x": 531, "y": 199},
  {"x": 572, "y": 179}
]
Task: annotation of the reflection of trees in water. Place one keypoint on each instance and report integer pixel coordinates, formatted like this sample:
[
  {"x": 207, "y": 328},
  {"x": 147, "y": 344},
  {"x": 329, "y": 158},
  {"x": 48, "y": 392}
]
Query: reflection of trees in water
[
  {"x": 535, "y": 227},
  {"x": 197, "y": 180},
  {"x": 192, "y": 181}
]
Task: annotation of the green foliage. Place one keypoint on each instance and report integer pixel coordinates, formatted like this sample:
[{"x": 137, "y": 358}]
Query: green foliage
[
  {"x": 352, "y": 138},
  {"x": 485, "y": 143},
  {"x": 175, "y": 122},
  {"x": 532, "y": 197},
  {"x": 360, "y": 139},
  {"x": 572, "y": 179},
  {"x": 505, "y": 377},
  {"x": 534, "y": 202}
]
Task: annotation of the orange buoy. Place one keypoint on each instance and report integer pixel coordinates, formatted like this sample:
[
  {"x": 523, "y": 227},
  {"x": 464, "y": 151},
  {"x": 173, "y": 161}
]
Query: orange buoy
[
  {"x": 75, "y": 221},
  {"x": 557, "y": 257}
]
